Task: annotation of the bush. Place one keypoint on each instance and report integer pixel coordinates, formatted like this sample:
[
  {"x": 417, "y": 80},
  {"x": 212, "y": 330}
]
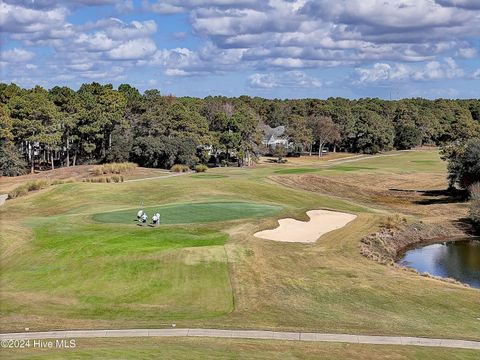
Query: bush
[
  {"x": 179, "y": 168},
  {"x": 463, "y": 163},
  {"x": 11, "y": 163},
  {"x": 474, "y": 208},
  {"x": 201, "y": 168},
  {"x": 394, "y": 222},
  {"x": 117, "y": 178}
]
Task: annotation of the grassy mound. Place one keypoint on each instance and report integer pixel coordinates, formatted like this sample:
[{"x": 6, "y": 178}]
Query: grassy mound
[{"x": 192, "y": 213}]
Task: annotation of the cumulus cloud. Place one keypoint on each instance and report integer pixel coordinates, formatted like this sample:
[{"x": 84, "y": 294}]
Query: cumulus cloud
[
  {"x": 133, "y": 49},
  {"x": 307, "y": 33},
  {"x": 391, "y": 15},
  {"x": 290, "y": 79},
  {"x": 433, "y": 70},
  {"x": 46, "y": 4},
  {"x": 467, "y": 53},
  {"x": 18, "y": 19},
  {"x": 177, "y": 6},
  {"x": 16, "y": 55},
  {"x": 467, "y": 4}
]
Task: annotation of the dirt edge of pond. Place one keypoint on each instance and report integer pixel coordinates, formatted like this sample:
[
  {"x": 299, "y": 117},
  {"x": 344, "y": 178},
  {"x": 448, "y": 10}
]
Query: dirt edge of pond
[{"x": 387, "y": 245}]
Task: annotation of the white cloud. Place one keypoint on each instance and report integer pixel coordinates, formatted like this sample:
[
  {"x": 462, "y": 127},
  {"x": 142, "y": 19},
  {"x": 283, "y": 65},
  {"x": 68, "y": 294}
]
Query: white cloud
[
  {"x": 289, "y": 79},
  {"x": 467, "y": 53},
  {"x": 476, "y": 74},
  {"x": 133, "y": 50},
  {"x": 176, "y": 72},
  {"x": 18, "y": 19},
  {"x": 16, "y": 55},
  {"x": 264, "y": 81},
  {"x": 467, "y": 4},
  {"x": 124, "y": 6},
  {"x": 433, "y": 70},
  {"x": 177, "y": 6}
]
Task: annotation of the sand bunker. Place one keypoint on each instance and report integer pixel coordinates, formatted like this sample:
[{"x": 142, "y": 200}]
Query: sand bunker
[{"x": 321, "y": 222}]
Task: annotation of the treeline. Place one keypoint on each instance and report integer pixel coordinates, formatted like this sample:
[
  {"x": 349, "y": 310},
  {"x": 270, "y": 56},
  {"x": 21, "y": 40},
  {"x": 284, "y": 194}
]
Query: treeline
[{"x": 62, "y": 127}]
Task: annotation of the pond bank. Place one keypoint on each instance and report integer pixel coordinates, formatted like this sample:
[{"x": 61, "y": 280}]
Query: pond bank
[{"x": 386, "y": 245}]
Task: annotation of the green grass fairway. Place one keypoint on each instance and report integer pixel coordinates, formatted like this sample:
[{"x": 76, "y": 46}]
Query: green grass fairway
[
  {"x": 208, "y": 176},
  {"x": 192, "y": 213},
  {"x": 297, "y": 171},
  {"x": 347, "y": 168}
]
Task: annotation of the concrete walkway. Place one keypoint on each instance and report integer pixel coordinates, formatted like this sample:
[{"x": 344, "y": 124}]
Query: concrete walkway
[
  {"x": 247, "y": 334},
  {"x": 356, "y": 158}
]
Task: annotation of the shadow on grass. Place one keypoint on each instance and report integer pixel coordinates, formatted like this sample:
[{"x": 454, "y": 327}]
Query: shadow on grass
[
  {"x": 432, "y": 197},
  {"x": 467, "y": 226}
]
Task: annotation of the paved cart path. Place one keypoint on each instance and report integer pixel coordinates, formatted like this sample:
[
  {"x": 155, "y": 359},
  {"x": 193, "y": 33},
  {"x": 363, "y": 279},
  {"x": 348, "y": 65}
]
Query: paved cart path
[
  {"x": 247, "y": 334},
  {"x": 169, "y": 175}
]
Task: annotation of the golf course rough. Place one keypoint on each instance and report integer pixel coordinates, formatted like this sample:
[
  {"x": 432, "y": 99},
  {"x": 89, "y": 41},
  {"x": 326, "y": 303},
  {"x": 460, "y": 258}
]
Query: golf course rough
[{"x": 192, "y": 213}]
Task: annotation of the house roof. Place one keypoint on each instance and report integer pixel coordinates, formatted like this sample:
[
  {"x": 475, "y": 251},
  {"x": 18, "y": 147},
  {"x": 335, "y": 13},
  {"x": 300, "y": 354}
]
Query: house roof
[{"x": 273, "y": 133}]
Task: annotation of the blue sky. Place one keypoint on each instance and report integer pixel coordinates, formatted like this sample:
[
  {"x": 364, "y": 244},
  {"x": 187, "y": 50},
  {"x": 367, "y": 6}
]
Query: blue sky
[{"x": 271, "y": 48}]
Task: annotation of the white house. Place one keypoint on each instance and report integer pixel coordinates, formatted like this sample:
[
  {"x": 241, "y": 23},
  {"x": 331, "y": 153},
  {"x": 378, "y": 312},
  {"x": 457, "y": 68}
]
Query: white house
[{"x": 274, "y": 136}]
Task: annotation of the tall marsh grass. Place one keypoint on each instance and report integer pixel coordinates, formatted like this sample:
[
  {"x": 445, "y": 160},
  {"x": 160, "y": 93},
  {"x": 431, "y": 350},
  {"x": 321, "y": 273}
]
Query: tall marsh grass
[
  {"x": 33, "y": 185},
  {"x": 114, "y": 168}
]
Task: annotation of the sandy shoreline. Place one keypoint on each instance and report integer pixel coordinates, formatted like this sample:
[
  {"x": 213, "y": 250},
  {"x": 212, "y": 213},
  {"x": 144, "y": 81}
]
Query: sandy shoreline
[{"x": 320, "y": 223}]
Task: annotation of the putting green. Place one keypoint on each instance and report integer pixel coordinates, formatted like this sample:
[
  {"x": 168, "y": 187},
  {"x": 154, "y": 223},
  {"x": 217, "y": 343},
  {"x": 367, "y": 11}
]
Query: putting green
[{"x": 193, "y": 213}]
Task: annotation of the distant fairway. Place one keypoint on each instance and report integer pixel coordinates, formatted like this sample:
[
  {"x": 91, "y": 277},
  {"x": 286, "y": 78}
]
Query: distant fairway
[{"x": 193, "y": 213}]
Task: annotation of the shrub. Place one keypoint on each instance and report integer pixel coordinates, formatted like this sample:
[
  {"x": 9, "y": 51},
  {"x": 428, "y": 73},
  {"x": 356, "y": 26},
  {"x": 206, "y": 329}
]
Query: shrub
[
  {"x": 394, "y": 221},
  {"x": 11, "y": 162},
  {"x": 463, "y": 163},
  {"x": 117, "y": 178},
  {"x": 179, "y": 168},
  {"x": 474, "y": 208},
  {"x": 201, "y": 168}
]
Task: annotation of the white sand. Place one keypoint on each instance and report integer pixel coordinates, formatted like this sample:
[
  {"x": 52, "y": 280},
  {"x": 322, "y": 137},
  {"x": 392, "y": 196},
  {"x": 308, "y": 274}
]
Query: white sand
[{"x": 321, "y": 222}]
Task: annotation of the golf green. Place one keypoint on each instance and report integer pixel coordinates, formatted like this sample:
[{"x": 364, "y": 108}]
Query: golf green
[{"x": 193, "y": 212}]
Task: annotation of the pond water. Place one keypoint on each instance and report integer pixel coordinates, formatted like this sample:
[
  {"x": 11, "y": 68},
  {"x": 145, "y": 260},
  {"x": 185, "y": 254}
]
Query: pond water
[{"x": 459, "y": 260}]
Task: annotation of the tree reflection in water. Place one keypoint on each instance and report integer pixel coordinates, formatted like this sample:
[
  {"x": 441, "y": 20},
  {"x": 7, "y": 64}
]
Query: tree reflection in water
[{"x": 459, "y": 260}]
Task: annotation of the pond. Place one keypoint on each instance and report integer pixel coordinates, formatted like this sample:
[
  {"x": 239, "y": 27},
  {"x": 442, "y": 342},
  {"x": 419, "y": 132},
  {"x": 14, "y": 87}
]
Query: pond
[{"x": 459, "y": 260}]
